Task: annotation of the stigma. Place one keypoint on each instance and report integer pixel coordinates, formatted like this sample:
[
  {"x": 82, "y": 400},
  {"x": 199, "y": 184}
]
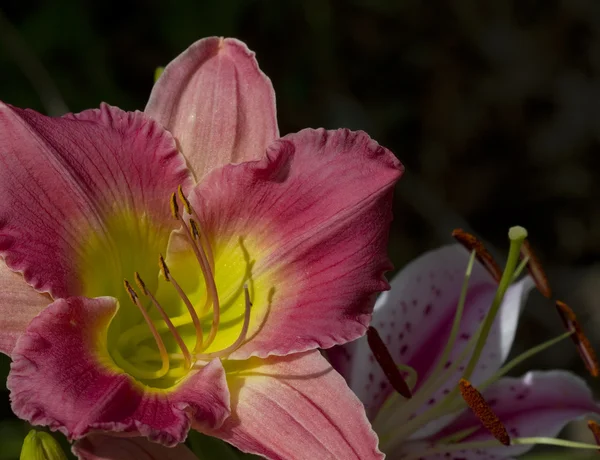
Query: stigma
[{"x": 175, "y": 353}]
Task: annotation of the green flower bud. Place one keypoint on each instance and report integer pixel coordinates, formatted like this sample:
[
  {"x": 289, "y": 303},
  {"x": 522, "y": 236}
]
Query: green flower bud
[
  {"x": 158, "y": 72},
  {"x": 39, "y": 445}
]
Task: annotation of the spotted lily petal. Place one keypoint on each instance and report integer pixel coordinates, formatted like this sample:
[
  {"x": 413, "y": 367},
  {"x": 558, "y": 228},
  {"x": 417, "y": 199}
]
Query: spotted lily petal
[
  {"x": 537, "y": 404},
  {"x": 295, "y": 407},
  {"x": 217, "y": 103},
  {"x": 62, "y": 377},
  {"x": 415, "y": 317},
  {"x": 306, "y": 228},
  {"x": 104, "y": 447},
  {"x": 84, "y": 198},
  {"x": 19, "y": 304}
]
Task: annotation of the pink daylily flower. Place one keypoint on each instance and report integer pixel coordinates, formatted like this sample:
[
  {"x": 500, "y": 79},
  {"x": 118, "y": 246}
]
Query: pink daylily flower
[
  {"x": 415, "y": 319},
  {"x": 265, "y": 261}
]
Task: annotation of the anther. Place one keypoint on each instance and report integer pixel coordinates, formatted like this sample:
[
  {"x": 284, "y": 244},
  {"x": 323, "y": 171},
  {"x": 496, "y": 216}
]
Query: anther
[
  {"x": 184, "y": 200},
  {"x": 471, "y": 243},
  {"x": 535, "y": 270},
  {"x": 595, "y": 429},
  {"x": 168, "y": 322},
  {"x": 186, "y": 301},
  {"x": 584, "y": 347},
  {"x": 163, "y": 267},
  {"x": 483, "y": 411},
  {"x": 386, "y": 362},
  {"x": 174, "y": 206},
  {"x": 195, "y": 229},
  {"x": 140, "y": 283}
]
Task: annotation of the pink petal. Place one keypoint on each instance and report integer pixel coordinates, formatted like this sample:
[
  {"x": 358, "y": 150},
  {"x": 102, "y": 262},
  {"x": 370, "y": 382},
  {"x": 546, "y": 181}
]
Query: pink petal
[
  {"x": 66, "y": 180},
  {"x": 319, "y": 208},
  {"x": 19, "y": 304},
  {"x": 537, "y": 404},
  {"x": 296, "y": 407},
  {"x": 217, "y": 103},
  {"x": 62, "y": 377},
  {"x": 104, "y": 447},
  {"x": 416, "y": 316}
]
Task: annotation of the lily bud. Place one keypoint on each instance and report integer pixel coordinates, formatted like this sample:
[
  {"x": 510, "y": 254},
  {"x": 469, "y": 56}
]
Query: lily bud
[{"x": 39, "y": 445}]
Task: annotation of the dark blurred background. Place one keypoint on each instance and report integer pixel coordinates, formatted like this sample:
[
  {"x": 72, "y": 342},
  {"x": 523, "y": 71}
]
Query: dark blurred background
[{"x": 493, "y": 106}]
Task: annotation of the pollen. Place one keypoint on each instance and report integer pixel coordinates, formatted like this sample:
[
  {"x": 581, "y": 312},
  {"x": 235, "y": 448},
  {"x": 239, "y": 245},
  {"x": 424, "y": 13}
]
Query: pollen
[
  {"x": 184, "y": 200},
  {"x": 471, "y": 243},
  {"x": 174, "y": 206},
  {"x": 483, "y": 411},
  {"x": 595, "y": 429},
  {"x": 130, "y": 291},
  {"x": 163, "y": 267},
  {"x": 386, "y": 362},
  {"x": 535, "y": 270},
  {"x": 140, "y": 283},
  {"x": 584, "y": 347}
]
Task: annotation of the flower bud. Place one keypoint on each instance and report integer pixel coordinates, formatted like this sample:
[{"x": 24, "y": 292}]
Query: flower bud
[{"x": 39, "y": 445}]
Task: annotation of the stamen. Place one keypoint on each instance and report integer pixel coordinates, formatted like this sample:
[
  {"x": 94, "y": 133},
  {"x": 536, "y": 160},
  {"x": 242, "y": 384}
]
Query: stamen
[
  {"x": 243, "y": 333},
  {"x": 483, "y": 412},
  {"x": 163, "y": 268},
  {"x": 595, "y": 429},
  {"x": 386, "y": 362},
  {"x": 174, "y": 206},
  {"x": 535, "y": 270},
  {"x": 186, "y": 301},
  {"x": 184, "y": 200},
  {"x": 211, "y": 288},
  {"x": 584, "y": 347},
  {"x": 471, "y": 243},
  {"x": 186, "y": 353},
  {"x": 164, "y": 356},
  {"x": 203, "y": 240}
]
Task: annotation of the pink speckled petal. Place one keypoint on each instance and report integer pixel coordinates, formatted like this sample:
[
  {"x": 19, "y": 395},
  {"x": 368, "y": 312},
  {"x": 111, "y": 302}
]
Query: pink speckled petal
[
  {"x": 65, "y": 181},
  {"x": 19, "y": 304},
  {"x": 217, "y": 103},
  {"x": 62, "y": 377},
  {"x": 537, "y": 404},
  {"x": 296, "y": 407},
  {"x": 415, "y": 318},
  {"x": 105, "y": 447},
  {"x": 319, "y": 207}
]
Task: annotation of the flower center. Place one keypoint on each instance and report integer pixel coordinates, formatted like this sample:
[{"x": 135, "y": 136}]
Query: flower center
[{"x": 174, "y": 332}]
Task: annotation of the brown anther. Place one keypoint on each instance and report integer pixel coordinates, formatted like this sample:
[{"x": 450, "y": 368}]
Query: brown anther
[
  {"x": 535, "y": 270},
  {"x": 132, "y": 294},
  {"x": 184, "y": 200},
  {"x": 195, "y": 229},
  {"x": 174, "y": 206},
  {"x": 483, "y": 411},
  {"x": 471, "y": 243},
  {"x": 163, "y": 267},
  {"x": 140, "y": 283},
  {"x": 595, "y": 429},
  {"x": 584, "y": 347},
  {"x": 385, "y": 360}
]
